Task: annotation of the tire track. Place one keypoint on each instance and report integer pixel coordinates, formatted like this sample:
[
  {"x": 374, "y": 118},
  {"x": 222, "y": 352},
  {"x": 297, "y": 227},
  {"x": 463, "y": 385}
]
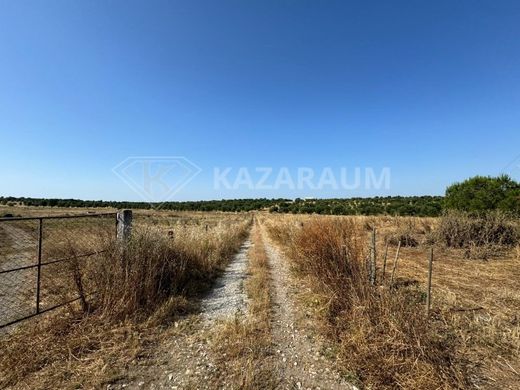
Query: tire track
[{"x": 301, "y": 363}]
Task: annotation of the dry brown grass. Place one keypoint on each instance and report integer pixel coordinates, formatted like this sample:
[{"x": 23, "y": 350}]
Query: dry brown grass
[
  {"x": 480, "y": 300},
  {"x": 481, "y": 236},
  {"x": 384, "y": 338},
  {"x": 133, "y": 291},
  {"x": 243, "y": 345}
]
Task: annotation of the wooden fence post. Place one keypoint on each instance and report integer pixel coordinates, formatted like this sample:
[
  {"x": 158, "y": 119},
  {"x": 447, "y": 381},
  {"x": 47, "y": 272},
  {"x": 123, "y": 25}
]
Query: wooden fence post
[
  {"x": 395, "y": 263},
  {"x": 39, "y": 269},
  {"x": 124, "y": 224},
  {"x": 373, "y": 259},
  {"x": 429, "y": 292}
]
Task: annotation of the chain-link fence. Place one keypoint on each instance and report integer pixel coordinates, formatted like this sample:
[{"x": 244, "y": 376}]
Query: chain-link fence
[{"x": 42, "y": 260}]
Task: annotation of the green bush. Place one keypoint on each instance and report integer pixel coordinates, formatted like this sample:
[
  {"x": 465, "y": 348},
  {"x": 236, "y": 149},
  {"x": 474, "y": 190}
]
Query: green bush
[{"x": 481, "y": 193}]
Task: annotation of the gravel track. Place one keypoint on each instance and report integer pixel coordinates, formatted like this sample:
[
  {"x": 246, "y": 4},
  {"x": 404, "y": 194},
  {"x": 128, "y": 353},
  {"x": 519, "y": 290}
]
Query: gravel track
[
  {"x": 301, "y": 362},
  {"x": 228, "y": 296},
  {"x": 184, "y": 361}
]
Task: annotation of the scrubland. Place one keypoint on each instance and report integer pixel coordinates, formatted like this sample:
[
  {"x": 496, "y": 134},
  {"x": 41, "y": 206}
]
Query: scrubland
[
  {"x": 381, "y": 334},
  {"x": 384, "y": 337},
  {"x": 129, "y": 294}
]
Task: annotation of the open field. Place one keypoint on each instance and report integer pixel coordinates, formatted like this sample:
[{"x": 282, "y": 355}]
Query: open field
[
  {"x": 259, "y": 195},
  {"x": 310, "y": 308},
  {"x": 475, "y": 299},
  {"x": 159, "y": 277}
]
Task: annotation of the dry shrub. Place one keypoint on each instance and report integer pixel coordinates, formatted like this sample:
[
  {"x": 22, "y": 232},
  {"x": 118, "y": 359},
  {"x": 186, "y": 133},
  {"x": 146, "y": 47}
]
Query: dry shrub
[
  {"x": 405, "y": 237},
  {"x": 132, "y": 289},
  {"x": 370, "y": 223},
  {"x": 384, "y": 336},
  {"x": 480, "y": 235},
  {"x": 406, "y": 232}
]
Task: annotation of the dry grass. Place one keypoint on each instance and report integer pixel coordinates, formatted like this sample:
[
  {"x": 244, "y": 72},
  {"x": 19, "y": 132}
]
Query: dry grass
[
  {"x": 243, "y": 345},
  {"x": 481, "y": 236},
  {"x": 384, "y": 338},
  {"x": 480, "y": 300},
  {"x": 132, "y": 291},
  {"x": 406, "y": 232}
]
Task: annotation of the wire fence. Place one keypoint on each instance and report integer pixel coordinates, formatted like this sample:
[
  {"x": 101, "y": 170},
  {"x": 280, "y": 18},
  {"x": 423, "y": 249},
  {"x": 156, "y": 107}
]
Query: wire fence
[{"x": 42, "y": 258}]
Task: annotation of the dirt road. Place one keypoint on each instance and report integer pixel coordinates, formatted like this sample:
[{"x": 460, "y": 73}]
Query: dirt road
[
  {"x": 298, "y": 346},
  {"x": 299, "y": 357}
]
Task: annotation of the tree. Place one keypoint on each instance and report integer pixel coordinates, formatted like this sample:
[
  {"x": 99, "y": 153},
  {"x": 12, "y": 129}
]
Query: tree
[{"x": 481, "y": 193}]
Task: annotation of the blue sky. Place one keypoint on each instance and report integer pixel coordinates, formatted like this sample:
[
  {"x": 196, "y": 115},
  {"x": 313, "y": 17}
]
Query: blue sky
[{"x": 429, "y": 89}]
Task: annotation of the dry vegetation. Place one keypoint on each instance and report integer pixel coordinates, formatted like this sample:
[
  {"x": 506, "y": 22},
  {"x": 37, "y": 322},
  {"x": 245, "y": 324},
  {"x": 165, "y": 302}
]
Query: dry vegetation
[
  {"x": 130, "y": 292},
  {"x": 243, "y": 346},
  {"x": 383, "y": 335},
  {"x": 481, "y": 236}
]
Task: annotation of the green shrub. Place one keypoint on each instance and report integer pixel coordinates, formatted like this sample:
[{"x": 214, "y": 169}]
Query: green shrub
[{"x": 481, "y": 193}]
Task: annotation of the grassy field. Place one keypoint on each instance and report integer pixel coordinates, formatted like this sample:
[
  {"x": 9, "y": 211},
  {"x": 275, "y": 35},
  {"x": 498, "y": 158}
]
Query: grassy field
[
  {"x": 382, "y": 335},
  {"x": 472, "y": 337}
]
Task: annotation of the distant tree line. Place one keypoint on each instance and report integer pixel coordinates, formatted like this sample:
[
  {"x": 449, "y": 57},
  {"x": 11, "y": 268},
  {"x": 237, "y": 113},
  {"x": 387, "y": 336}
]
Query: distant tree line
[
  {"x": 476, "y": 194},
  {"x": 390, "y": 205},
  {"x": 395, "y": 205}
]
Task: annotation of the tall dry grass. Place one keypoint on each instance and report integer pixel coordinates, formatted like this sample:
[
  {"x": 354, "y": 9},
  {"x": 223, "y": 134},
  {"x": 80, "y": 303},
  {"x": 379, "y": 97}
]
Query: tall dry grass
[
  {"x": 131, "y": 291},
  {"x": 383, "y": 335},
  {"x": 481, "y": 236},
  {"x": 137, "y": 277}
]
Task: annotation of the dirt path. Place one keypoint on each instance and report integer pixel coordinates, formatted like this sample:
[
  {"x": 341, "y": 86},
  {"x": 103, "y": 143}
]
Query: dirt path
[
  {"x": 184, "y": 359},
  {"x": 228, "y": 296},
  {"x": 301, "y": 353}
]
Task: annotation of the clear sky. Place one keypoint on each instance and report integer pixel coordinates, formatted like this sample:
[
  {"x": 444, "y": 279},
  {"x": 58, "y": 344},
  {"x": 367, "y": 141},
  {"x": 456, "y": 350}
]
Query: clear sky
[{"x": 430, "y": 89}]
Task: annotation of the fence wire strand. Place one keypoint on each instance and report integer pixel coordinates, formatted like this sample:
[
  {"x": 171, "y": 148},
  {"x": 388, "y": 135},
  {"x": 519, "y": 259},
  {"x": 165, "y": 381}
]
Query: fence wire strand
[{"x": 43, "y": 270}]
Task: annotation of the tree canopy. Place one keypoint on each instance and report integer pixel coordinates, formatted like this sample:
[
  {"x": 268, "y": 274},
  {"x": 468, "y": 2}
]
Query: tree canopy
[{"x": 482, "y": 193}]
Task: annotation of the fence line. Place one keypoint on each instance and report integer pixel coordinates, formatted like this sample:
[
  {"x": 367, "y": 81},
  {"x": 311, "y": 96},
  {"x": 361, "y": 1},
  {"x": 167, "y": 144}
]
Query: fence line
[{"x": 31, "y": 251}]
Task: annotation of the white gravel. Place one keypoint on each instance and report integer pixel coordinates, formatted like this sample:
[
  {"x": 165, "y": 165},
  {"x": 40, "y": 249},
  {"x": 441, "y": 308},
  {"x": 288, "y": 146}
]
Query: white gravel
[{"x": 228, "y": 296}]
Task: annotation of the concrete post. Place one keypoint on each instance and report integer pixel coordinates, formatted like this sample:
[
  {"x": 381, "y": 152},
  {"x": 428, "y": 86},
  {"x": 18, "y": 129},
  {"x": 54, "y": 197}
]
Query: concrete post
[{"x": 124, "y": 224}]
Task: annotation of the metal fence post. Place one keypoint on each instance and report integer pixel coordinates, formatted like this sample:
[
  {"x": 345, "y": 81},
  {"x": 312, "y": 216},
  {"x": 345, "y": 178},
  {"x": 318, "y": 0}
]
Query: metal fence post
[
  {"x": 429, "y": 292},
  {"x": 373, "y": 257},
  {"x": 39, "y": 268},
  {"x": 124, "y": 224}
]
